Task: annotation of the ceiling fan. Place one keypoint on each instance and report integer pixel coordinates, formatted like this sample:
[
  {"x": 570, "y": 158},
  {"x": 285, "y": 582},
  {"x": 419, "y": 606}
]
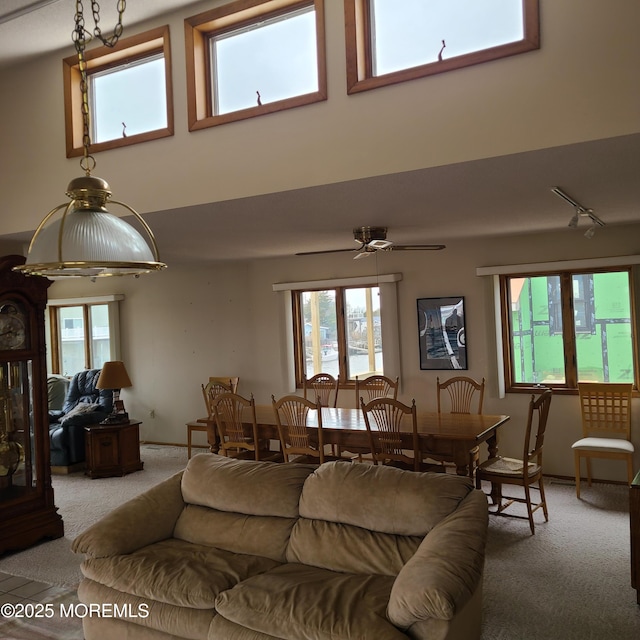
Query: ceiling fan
[{"x": 372, "y": 239}]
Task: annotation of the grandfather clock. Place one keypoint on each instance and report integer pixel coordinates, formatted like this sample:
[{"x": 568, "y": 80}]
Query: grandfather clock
[{"x": 27, "y": 510}]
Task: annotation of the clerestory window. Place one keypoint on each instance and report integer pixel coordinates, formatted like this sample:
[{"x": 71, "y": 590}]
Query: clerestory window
[
  {"x": 246, "y": 59},
  {"x": 129, "y": 90},
  {"x": 390, "y": 42}
]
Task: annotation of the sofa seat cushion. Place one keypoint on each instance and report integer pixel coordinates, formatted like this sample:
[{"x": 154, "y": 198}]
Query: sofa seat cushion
[
  {"x": 176, "y": 572},
  {"x": 298, "y": 602},
  {"x": 153, "y": 616}
]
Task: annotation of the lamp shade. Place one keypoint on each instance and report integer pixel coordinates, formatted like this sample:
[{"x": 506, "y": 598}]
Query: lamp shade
[
  {"x": 113, "y": 376},
  {"x": 88, "y": 240}
]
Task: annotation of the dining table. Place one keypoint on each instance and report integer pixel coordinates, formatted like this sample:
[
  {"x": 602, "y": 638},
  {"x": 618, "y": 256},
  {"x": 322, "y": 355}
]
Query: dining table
[{"x": 442, "y": 434}]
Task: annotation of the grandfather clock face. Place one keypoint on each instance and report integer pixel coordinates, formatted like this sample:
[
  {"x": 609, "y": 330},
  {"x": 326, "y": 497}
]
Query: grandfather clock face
[{"x": 13, "y": 326}]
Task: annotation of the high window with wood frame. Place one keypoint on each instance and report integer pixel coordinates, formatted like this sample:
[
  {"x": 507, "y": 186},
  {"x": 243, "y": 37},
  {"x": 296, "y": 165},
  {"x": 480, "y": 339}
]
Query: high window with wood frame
[
  {"x": 567, "y": 327},
  {"x": 389, "y": 42},
  {"x": 252, "y": 57},
  {"x": 130, "y": 93}
]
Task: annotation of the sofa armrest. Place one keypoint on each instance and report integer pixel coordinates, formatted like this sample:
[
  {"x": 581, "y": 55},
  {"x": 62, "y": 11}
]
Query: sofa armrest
[
  {"x": 446, "y": 569},
  {"x": 143, "y": 520}
]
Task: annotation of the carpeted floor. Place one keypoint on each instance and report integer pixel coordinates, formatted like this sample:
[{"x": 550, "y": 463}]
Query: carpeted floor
[{"x": 571, "y": 581}]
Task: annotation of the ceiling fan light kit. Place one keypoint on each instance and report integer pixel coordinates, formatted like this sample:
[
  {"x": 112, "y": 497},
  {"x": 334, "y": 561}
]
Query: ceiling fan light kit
[
  {"x": 373, "y": 239},
  {"x": 580, "y": 212}
]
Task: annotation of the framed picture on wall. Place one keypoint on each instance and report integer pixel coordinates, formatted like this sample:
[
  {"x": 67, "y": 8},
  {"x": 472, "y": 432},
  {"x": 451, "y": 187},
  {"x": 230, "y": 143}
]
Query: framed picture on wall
[{"x": 441, "y": 333}]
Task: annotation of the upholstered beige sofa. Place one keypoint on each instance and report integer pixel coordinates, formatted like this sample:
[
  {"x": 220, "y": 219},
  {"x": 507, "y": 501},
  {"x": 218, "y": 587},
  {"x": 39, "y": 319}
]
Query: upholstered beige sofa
[{"x": 245, "y": 550}]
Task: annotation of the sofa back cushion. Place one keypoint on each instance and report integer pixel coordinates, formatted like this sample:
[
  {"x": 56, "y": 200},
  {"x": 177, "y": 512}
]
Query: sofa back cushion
[
  {"x": 241, "y": 506},
  {"x": 348, "y": 509}
]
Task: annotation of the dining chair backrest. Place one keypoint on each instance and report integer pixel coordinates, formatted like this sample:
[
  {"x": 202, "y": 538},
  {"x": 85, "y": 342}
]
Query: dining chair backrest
[
  {"x": 465, "y": 394},
  {"x": 212, "y": 389},
  {"x": 232, "y": 412},
  {"x": 384, "y": 419},
  {"x": 606, "y": 409},
  {"x": 536, "y": 427},
  {"x": 232, "y": 381},
  {"x": 322, "y": 387},
  {"x": 376, "y": 387},
  {"x": 292, "y": 415}
]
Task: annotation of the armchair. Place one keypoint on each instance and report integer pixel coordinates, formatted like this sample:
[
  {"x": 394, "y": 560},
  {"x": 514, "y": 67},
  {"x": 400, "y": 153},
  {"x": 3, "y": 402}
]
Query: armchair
[{"x": 83, "y": 405}]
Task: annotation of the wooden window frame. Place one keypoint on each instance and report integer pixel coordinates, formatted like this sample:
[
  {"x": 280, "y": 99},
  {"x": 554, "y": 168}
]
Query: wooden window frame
[
  {"x": 298, "y": 335},
  {"x": 140, "y": 46},
  {"x": 359, "y": 49},
  {"x": 198, "y": 31},
  {"x": 54, "y": 331},
  {"x": 570, "y": 385}
]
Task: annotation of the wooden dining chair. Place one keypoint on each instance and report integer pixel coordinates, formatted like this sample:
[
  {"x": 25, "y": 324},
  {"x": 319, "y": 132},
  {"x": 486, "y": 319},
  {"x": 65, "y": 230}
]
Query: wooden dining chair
[
  {"x": 384, "y": 419},
  {"x": 460, "y": 394},
  {"x": 292, "y": 418},
  {"x": 376, "y": 387},
  {"x": 214, "y": 388},
  {"x": 322, "y": 387},
  {"x": 526, "y": 471},
  {"x": 235, "y": 418},
  {"x": 606, "y": 426}
]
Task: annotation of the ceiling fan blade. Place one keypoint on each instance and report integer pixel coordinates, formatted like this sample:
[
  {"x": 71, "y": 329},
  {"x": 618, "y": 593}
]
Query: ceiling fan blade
[
  {"x": 415, "y": 247},
  {"x": 312, "y": 253}
]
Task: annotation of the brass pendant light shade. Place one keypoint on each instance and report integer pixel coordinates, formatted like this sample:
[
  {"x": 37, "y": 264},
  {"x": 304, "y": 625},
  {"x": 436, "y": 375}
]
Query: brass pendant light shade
[{"x": 89, "y": 241}]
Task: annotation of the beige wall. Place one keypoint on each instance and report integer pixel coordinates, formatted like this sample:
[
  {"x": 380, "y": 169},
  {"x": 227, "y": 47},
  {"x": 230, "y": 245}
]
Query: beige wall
[
  {"x": 560, "y": 94},
  {"x": 187, "y": 323}
]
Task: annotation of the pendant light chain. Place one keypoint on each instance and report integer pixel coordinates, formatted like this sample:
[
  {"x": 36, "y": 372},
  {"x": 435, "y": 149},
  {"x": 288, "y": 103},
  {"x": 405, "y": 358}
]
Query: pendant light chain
[{"x": 79, "y": 38}]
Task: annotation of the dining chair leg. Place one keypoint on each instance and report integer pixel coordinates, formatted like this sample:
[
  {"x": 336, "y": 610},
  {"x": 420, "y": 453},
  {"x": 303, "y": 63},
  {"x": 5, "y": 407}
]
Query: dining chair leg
[
  {"x": 544, "y": 500},
  {"x": 527, "y": 493},
  {"x": 588, "y": 471},
  {"x": 576, "y": 456}
]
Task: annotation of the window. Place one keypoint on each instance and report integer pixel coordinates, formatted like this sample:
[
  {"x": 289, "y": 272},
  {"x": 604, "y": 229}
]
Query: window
[
  {"x": 338, "y": 331},
  {"x": 386, "y": 44},
  {"x": 568, "y": 327},
  {"x": 82, "y": 334},
  {"x": 246, "y": 59},
  {"x": 129, "y": 89}
]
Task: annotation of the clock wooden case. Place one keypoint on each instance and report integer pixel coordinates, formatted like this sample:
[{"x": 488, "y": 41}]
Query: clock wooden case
[{"x": 27, "y": 510}]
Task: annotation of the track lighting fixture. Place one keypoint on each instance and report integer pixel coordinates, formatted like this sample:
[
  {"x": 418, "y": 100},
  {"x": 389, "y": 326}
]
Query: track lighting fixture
[{"x": 580, "y": 212}]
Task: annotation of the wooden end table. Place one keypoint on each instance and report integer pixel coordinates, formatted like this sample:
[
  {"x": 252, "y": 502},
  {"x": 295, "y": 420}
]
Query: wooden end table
[{"x": 112, "y": 449}]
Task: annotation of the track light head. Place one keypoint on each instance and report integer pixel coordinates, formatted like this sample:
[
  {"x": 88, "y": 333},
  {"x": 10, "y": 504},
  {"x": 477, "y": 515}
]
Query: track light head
[
  {"x": 579, "y": 212},
  {"x": 573, "y": 223}
]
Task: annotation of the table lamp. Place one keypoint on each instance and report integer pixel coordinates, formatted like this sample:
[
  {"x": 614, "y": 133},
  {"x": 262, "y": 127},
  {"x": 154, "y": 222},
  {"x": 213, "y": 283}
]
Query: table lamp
[{"x": 114, "y": 376}]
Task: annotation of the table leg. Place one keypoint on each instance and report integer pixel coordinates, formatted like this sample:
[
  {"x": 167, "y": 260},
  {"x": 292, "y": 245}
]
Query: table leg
[{"x": 496, "y": 489}]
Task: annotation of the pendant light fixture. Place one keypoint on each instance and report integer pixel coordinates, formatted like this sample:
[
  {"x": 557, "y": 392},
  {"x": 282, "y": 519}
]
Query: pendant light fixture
[{"x": 87, "y": 240}]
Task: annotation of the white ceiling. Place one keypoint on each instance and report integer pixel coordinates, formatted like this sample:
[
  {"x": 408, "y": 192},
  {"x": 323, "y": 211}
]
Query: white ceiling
[{"x": 497, "y": 196}]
